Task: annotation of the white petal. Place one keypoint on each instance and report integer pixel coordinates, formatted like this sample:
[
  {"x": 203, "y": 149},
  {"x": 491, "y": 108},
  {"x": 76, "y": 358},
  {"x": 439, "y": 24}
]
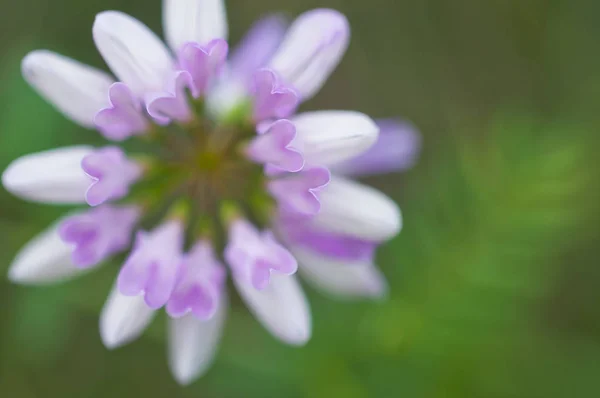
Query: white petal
[
  {"x": 77, "y": 90},
  {"x": 282, "y": 308},
  {"x": 312, "y": 48},
  {"x": 193, "y": 344},
  {"x": 53, "y": 176},
  {"x": 123, "y": 319},
  {"x": 198, "y": 21},
  {"x": 132, "y": 51},
  {"x": 340, "y": 278},
  {"x": 44, "y": 259},
  {"x": 328, "y": 137},
  {"x": 350, "y": 208}
]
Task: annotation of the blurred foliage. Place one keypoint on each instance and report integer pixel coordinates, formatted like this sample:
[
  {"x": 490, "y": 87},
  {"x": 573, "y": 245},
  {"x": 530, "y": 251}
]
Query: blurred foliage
[{"x": 494, "y": 280}]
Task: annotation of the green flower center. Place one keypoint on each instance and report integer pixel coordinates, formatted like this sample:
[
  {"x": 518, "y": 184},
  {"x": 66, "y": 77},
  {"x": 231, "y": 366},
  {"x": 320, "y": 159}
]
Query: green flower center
[{"x": 201, "y": 167}]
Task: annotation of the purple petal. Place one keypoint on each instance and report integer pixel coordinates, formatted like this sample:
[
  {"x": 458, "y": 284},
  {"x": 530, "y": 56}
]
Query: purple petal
[
  {"x": 195, "y": 299},
  {"x": 261, "y": 275},
  {"x": 301, "y": 233},
  {"x": 275, "y": 147},
  {"x": 272, "y": 99},
  {"x": 124, "y": 117},
  {"x": 159, "y": 286},
  {"x": 396, "y": 149},
  {"x": 253, "y": 256},
  {"x": 203, "y": 62},
  {"x": 283, "y": 261},
  {"x": 99, "y": 233},
  {"x": 200, "y": 285},
  {"x": 134, "y": 277},
  {"x": 172, "y": 104},
  {"x": 112, "y": 174},
  {"x": 257, "y": 47},
  {"x": 298, "y": 192},
  {"x": 153, "y": 265}
]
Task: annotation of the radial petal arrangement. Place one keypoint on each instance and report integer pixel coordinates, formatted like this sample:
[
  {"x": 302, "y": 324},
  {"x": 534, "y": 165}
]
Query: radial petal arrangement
[{"x": 221, "y": 177}]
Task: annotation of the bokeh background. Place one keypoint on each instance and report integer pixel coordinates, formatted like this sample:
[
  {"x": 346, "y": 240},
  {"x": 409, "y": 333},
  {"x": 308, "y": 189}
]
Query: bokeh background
[{"x": 495, "y": 277}]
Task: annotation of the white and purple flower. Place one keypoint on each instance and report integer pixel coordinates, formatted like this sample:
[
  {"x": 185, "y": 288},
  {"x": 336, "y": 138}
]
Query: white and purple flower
[{"x": 229, "y": 148}]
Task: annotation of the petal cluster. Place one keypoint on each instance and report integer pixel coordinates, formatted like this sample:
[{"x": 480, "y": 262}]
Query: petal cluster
[{"x": 202, "y": 107}]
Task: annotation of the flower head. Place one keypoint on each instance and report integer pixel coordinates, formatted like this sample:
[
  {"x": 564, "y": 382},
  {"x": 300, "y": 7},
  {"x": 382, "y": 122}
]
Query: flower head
[{"x": 223, "y": 145}]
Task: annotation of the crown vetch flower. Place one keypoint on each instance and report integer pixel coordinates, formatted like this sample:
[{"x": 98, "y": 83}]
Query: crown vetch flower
[{"x": 223, "y": 145}]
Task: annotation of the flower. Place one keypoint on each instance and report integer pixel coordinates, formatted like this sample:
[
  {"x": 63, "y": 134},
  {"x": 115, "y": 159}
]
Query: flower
[{"x": 223, "y": 145}]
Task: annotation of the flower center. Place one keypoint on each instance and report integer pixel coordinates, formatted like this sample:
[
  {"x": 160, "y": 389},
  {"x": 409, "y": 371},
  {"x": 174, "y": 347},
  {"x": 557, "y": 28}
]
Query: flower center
[{"x": 204, "y": 163}]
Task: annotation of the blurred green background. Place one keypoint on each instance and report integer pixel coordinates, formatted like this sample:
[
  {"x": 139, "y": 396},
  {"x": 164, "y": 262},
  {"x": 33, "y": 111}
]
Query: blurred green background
[{"x": 494, "y": 279}]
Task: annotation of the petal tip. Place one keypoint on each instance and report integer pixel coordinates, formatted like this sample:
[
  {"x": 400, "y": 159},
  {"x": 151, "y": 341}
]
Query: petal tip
[
  {"x": 377, "y": 288},
  {"x": 298, "y": 335},
  {"x": 337, "y": 16},
  {"x": 110, "y": 341},
  {"x": 9, "y": 182},
  {"x": 102, "y": 16},
  {"x": 17, "y": 274},
  {"x": 396, "y": 221},
  {"x": 184, "y": 375},
  {"x": 31, "y": 60},
  {"x": 123, "y": 319},
  {"x": 111, "y": 337}
]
